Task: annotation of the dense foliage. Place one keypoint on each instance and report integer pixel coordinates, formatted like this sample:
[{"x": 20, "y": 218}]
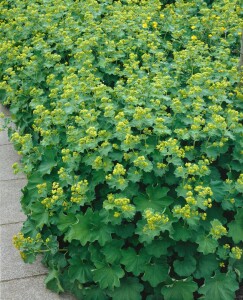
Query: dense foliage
[{"x": 129, "y": 117}]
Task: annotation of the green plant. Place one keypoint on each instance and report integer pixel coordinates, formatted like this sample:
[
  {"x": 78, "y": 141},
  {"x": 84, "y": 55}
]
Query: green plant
[{"x": 129, "y": 125}]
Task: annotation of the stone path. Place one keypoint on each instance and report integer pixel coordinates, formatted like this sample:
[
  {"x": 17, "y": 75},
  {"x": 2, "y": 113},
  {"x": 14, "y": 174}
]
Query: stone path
[{"x": 18, "y": 280}]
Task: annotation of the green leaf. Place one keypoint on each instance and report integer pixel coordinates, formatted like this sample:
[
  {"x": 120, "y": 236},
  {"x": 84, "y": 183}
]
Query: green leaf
[
  {"x": 39, "y": 215},
  {"x": 207, "y": 264},
  {"x": 66, "y": 221},
  {"x": 108, "y": 276},
  {"x": 206, "y": 245},
  {"x": 236, "y": 227},
  {"x": 185, "y": 267},
  {"x": 89, "y": 228},
  {"x": 52, "y": 281},
  {"x": 222, "y": 286},
  {"x": 133, "y": 261},
  {"x": 180, "y": 289},
  {"x": 181, "y": 232},
  {"x": 94, "y": 293},
  {"x": 218, "y": 190},
  {"x": 112, "y": 251},
  {"x": 79, "y": 270},
  {"x": 237, "y": 265},
  {"x": 158, "y": 247},
  {"x": 48, "y": 161},
  {"x": 155, "y": 198},
  {"x": 156, "y": 272},
  {"x": 130, "y": 289}
]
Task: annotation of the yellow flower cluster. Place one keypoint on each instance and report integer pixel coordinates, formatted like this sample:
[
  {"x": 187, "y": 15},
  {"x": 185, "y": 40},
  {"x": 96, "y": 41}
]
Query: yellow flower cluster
[
  {"x": 186, "y": 212},
  {"x": 57, "y": 193},
  {"x": 78, "y": 191},
  {"x": 154, "y": 220},
  {"x": 119, "y": 170},
  {"x": 217, "y": 231},
  {"x": 23, "y": 141},
  {"x": 41, "y": 188},
  {"x": 123, "y": 205},
  {"x": 240, "y": 179},
  {"x": 141, "y": 162},
  {"x": 19, "y": 240},
  {"x": 236, "y": 252},
  {"x": 172, "y": 147}
]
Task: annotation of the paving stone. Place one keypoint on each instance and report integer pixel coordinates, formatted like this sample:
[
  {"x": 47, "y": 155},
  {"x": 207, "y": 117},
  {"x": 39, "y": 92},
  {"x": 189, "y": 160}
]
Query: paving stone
[
  {"x": 4, "y": 140},
  {"x": 29, "y": 289},
  {"x": 10, "y": 194},
  {"x": 4, "y": 137},
  {"x": 8, "y": 156},
  {"x": 12, "y": 266},
  {"x": 4, "y": 110}
]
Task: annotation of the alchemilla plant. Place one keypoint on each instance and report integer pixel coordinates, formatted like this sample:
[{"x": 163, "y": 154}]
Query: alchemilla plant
[{"x": 129, "y": 117}]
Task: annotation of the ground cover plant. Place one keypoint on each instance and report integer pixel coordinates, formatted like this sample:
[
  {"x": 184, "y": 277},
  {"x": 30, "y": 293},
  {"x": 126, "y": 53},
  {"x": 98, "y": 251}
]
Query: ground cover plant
[{"x": 129, "y": 117}]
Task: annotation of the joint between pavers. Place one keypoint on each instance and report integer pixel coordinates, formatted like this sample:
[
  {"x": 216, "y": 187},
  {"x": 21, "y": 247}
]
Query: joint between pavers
[
  {"x": 12, "y": 179},
  {"x": 26, "y": 277},
  {"x": 12, "y": 223}
]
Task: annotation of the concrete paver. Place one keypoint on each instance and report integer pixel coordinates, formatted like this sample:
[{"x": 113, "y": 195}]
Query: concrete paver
[
  {"x": 29, "y": 289},
  {"x": 8, "y": 156},
  {"x": 18, "y": 279},
  {"x": 10, "y": 194},
  {"x": 4, "y": 110},
  {"x": 12, "y": 266},
  {"x": 3, "y": 137}
]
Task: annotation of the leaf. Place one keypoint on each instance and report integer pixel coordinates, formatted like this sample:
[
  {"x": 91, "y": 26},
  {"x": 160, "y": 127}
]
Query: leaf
[
  {"x": 79, "y": 270},
  {"x": 206, "y": 245},
  {"x": 66, "y": 221},
  {"x": 155, "y": 198},
  {"x": 158, "y": 247},
  {"x": 95, "y": 293},
  {"x": 207, "y": 264},
  {"x": 130, "y": 289},
  {"x": 237, "y": 265},
  {"x": 112, "y": 251},
  {"x": 185, "y": 267},
  {"x": 218, "y": 190},
  {"x": 89, "y": 228},
  {"x": 133, "y": 261},
  {"x": 181, "y": 232},
  {"x": 180, "y": 289},
  {"x": 156, "y": 272},
  {"x": 222, "y": 286},
  {"x": 124, "y": 231},
  {"x": 108, "y": 276},
  {"x": 236, "y": 227},
  {"x": 52, "y": 281},
  {"x": 48, "y": 161},
  {"x": 39, "y": 215}
]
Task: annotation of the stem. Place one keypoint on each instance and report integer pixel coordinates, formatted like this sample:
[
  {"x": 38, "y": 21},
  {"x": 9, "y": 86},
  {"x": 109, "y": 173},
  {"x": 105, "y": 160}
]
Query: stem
[{"x": 240, "y": 67}]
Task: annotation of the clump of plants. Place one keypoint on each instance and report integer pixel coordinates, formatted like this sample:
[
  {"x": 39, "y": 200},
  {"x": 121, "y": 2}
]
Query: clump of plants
[{"x": 129, "y": 117}]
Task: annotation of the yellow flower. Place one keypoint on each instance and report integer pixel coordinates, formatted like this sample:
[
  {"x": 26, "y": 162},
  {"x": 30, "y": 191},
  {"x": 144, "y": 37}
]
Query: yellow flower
[
  {"x": 193, "y": 27},
  {"x": 193, "y": 38},
  {"x": 116, "y": 214},
  {"x": 155, "y": 24},
  {"x": 145, "y": 25}
]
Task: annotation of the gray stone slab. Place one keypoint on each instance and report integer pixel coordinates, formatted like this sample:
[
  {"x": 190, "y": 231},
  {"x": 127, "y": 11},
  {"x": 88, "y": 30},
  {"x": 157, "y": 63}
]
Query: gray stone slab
[
  {"x": 4, "y": 137},
  {"x": 4, "y": 110},
  {"x": 10, "y": 194},
  {"x": 29, "y": 289},
  {"x": 12, "y": 265},
  {"x": 8, "y": 156}
]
